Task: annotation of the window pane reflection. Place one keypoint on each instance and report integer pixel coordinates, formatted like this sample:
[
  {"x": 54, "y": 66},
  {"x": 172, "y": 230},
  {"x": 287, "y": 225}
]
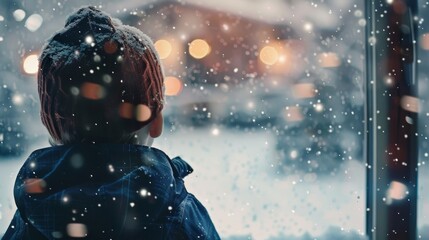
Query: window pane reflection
[{"x": 423, "y": 164}]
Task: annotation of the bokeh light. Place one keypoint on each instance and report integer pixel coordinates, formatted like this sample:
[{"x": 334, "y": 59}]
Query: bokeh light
[
  {"x": 76, "y": 160},
  {"x": 173, "y": 86},
  {"x": 31, "y": 64},
  {"x": 269, "y": 55},
  {"x": 34, "y": 22},
  {"x": 92, "y": 91},
  {"x": 293, "y": 154},
  {"x": 318, "y": 107},
  {"x": 110, "y": 47},
  {"x": 199, "y": 48},
  {"x": 424, "y": 43},
  {"x": 304, "y": 90},
  {"x": 215, "y": 131},
  {"x": 126, "y": 110},
  {"x": 293, "y": 114},
  {"x": 396, "y": 191},
  {"x": 164, "y": 48},
  {"x": 410, "y": 103},
  {"x": 19, "y": 15},
  {"x": 17, "y": 99},
  {"x": 329, "y": 60},
  {"x": 143, "y": 113},
  {"x": 34, "y": 185},
  {"x": 308, "y": 27},
  {"x": 77, "y": 230}
]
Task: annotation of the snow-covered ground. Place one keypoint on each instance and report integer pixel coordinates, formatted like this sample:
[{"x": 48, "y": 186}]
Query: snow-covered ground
[{"x": 235, "y": 178}]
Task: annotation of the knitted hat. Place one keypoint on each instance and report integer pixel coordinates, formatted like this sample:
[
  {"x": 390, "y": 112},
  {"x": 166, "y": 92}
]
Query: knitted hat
[{"x": 98, "y": 80}]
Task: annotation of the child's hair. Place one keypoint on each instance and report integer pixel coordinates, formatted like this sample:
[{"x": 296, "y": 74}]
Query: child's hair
[{"x": 98, "y": 80}]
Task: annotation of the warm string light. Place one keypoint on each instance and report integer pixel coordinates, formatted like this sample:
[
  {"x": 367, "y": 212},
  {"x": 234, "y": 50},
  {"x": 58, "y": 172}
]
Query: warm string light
[
  {"x": 269, "y": 55},
  {"x": 173, "y": 86},
  {"x": 199, "y": 48},
  {"x": 164, "y": 48}
]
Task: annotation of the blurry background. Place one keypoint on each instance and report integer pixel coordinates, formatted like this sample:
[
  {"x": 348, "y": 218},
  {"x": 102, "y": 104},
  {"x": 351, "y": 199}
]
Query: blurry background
[{"x": 265, "y": 100}]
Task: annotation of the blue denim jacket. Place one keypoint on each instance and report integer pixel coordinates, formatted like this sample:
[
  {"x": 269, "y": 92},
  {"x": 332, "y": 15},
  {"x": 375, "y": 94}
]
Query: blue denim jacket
[{"x": 106, "y": 191}]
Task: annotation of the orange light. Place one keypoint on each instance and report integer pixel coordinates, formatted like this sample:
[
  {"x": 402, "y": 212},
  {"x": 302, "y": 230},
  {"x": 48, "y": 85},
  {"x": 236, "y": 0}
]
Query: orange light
[
  {"x": 31, "y": 64},
  {"x": 329, "y": 60},
  {"x": 397, "y": 190},
  {"x": 282, "y": 57},
  {"x": 110, "y": 47},
  {"x": 293, "y": 114},
  {"x": 126, "y": 110},
  {"x": 92, "y": 91},
  {"x": 173, "y": 86},
  {"x": 410, "y": 103},
  {"x": 425, "y": 41},
  {"x": 34, "y": 185},
  {"x": 304, "y": 90},
  {"x": 269, "y": 55},
  {"x": 143, "y": 113},
  {"x": 199, "y": 48},
  {"x": 77, "y": 230},
  {"x": 164, "y": 48}
]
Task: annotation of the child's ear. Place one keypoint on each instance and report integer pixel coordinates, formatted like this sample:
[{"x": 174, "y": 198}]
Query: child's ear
[{"x": 156, "y": 126}]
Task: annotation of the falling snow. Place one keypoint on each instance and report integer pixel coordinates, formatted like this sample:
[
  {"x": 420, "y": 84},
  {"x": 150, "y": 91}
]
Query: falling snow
[{"x": 266, "y": 100}]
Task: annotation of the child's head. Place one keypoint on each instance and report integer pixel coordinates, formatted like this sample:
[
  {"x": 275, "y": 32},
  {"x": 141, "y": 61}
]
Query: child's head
[{"x": 100, "y": 81}]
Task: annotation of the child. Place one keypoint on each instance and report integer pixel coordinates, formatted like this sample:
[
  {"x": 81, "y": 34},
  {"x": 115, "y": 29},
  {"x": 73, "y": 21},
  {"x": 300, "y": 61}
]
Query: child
[{"x": 100, "y": 85}]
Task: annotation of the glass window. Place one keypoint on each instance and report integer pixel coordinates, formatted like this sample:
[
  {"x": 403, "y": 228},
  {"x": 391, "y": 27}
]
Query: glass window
[
  {"x": 423, "y": 164},
  {"x": 269, "y": 112},
  {"x": 265, "y": 100}
]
